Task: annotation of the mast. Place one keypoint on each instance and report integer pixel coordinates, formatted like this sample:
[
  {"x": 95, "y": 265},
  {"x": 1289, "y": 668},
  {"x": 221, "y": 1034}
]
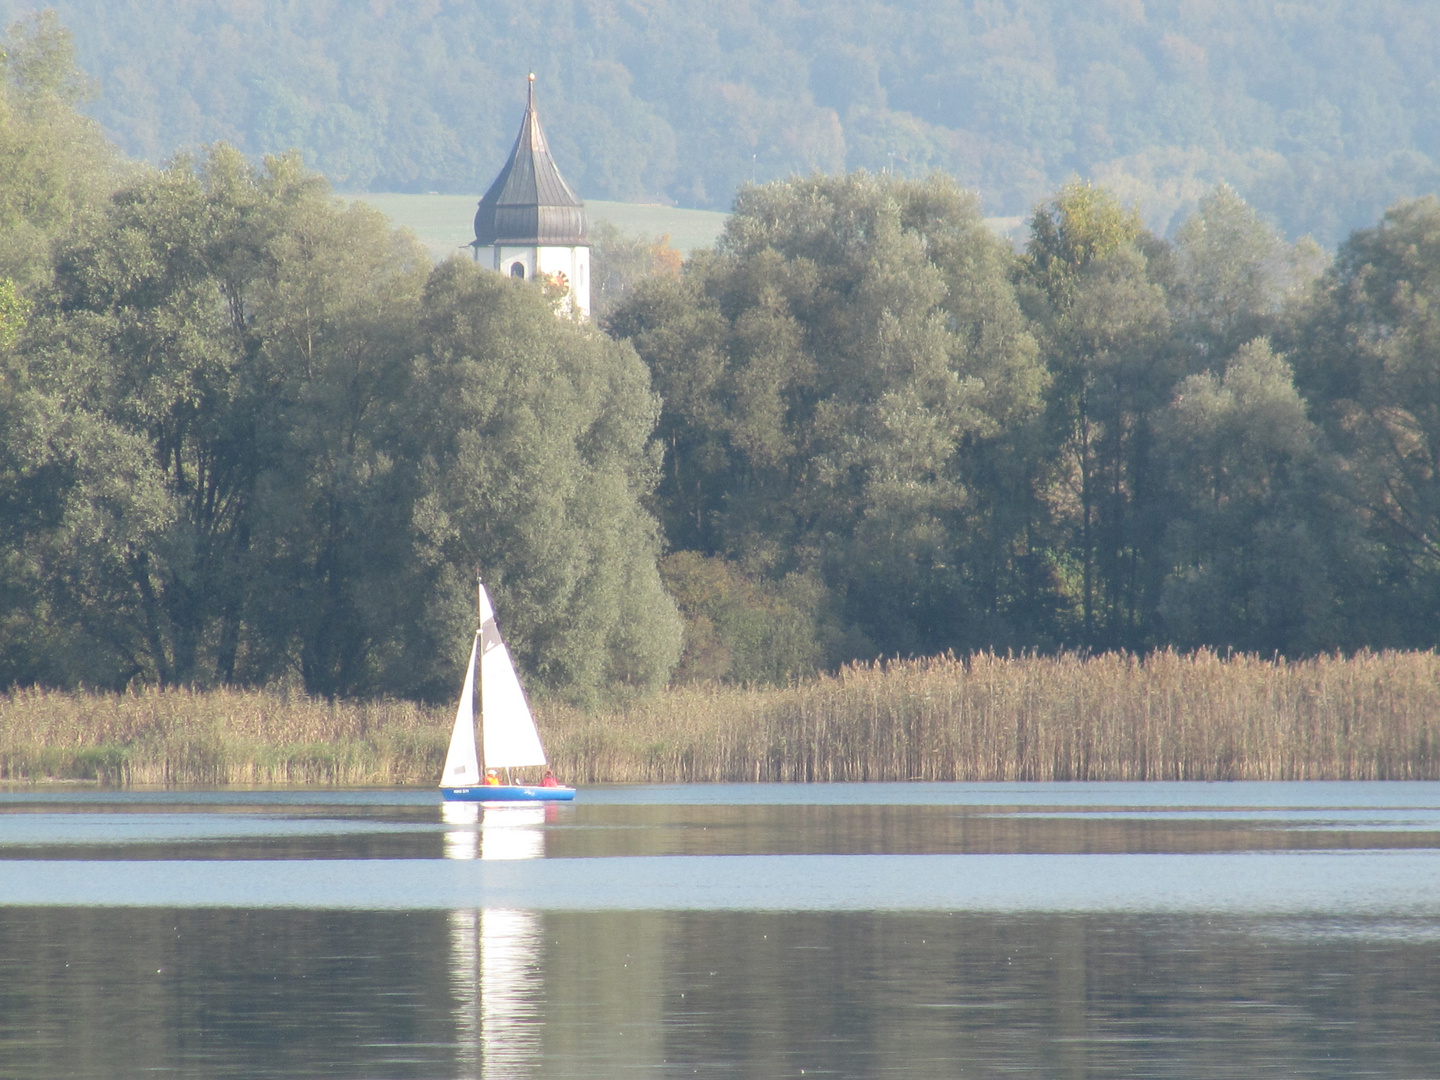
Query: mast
[
  {"x": 480, "y": 630},
  {"x": 480, "y": 612}
]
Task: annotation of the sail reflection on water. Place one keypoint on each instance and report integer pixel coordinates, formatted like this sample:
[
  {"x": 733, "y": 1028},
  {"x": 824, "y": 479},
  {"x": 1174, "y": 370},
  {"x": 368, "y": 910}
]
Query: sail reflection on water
[
  {"x": 512, "y": 832},
  {"x": 495, "y": 954}
]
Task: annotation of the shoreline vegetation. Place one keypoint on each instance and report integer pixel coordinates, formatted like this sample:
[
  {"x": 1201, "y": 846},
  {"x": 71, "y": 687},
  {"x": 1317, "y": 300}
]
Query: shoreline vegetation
[{"x": 1115, "y": 716}]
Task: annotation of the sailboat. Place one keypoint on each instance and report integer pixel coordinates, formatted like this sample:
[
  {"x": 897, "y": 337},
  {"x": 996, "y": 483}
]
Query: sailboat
[{"x": 508, "y": 733}]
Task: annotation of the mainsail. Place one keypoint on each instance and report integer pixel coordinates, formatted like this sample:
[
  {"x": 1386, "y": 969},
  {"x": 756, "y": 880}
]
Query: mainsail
[
  {"x": 510, "y": 738},
  {"x": 461, "y": 767}
]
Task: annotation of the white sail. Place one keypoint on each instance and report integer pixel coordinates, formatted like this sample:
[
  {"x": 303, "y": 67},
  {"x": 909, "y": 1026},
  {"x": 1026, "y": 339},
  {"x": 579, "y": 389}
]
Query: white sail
[
  {"x": 510, "y": 738},
  {"x": 462, "y": 767}
]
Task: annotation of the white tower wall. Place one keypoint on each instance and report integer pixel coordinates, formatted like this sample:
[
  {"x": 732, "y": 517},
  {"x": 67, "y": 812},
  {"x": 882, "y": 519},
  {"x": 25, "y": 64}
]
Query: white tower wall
[{"x": 547, "y": 262}]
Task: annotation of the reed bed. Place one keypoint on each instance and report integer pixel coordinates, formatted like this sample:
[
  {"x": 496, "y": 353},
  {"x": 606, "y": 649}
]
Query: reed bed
[
  {"x": 218, "y": 737},
  {"x": 1166, "y": 716}
]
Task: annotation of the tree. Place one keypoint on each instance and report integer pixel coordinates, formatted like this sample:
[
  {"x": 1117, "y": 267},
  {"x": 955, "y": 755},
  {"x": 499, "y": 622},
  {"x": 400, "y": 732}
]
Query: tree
[
  {"x": 252, "y": 435},
  {"x": 153, "y": 350},
  {"x": 329, "y": 553},
  {"x": 1367, "y": 356},
  {"x": 1261, "y": 548},
  {"x": 1080, "y": 226},
  {"x": 1103, "y": 324},
  {"x": 620, "y": 261},
  {"x": 535, "y": 437},
  {"x": 742, "y": 629},
  {"x": 831, "y": 376},
  {"x": 54, "y": 162},
  {"x": 14, "y": 311},
  {"x": 1233, "y": 275},
  {"x": 54, "y": 168}
]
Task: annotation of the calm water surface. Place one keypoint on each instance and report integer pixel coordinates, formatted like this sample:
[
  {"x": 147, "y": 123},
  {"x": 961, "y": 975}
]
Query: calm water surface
[{"x": 985, "y": 930}]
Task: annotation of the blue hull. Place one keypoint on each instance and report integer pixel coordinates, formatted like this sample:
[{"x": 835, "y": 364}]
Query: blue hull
[{"x": 507, "y": 793}]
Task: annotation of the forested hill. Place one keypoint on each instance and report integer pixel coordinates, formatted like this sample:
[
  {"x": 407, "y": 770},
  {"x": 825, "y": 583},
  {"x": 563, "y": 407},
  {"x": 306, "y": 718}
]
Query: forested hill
[{"x": 1320, "y": 113}]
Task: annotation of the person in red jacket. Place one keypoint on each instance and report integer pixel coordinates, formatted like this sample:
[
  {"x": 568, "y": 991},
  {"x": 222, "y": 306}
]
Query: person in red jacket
[{"x": 549, "y": 780}]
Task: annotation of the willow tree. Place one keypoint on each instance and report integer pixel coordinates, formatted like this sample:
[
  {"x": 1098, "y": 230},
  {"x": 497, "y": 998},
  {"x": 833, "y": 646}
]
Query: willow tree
[
  {"x": 161, "y": 395},
  {"x": 55, "y": 163},
  {"x": 258, "y": 437},
  {"x": 1103, "y": 324},
  {"x": 535, "y": 438},
  {"x": 1263, "y": 549},
  {"x": 834, "y": 376},
  {"x": 55, "y": 169},
  {"x": 1367, "y": 356}
]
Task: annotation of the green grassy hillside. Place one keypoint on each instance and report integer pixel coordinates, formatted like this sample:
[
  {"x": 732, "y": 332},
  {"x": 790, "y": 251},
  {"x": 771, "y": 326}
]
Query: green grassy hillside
[{"x": 444, "y": 222}]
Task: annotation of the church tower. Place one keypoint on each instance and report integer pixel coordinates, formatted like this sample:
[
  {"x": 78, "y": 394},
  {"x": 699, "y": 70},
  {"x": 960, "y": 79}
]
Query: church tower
[{"x": 530, "y": 223}]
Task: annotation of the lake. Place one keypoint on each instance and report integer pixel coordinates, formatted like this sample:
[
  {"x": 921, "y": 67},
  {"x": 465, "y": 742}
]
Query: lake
[{"x": 866, "y": 930}]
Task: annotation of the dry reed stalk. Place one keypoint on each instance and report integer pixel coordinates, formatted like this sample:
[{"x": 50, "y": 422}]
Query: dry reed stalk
[{"x": 1170, "y": 716}]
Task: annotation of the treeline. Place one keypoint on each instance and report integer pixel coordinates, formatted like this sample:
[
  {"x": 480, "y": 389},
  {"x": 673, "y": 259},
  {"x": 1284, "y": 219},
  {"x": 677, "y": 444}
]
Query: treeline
[
  {"x": 1321, "y": 114},
  {"x": 887, "y": 434},
  {"x": 249, "y": 434}
]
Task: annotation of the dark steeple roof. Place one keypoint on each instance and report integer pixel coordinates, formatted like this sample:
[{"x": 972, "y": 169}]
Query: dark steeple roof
[{"x": 529, "y": 202}]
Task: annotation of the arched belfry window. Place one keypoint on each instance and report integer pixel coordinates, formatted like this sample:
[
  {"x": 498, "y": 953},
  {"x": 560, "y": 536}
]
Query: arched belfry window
[{"x": 517, "y": 269}]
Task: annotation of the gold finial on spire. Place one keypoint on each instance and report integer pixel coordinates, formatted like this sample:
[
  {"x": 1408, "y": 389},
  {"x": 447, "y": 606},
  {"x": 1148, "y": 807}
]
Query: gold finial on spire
[{"x": 532, "y": 90}]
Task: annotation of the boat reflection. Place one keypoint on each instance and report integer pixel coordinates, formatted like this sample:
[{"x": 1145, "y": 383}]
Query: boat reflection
[
  {"x": 462, "y": 840},
  {"x": 496, "y": 973}
]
